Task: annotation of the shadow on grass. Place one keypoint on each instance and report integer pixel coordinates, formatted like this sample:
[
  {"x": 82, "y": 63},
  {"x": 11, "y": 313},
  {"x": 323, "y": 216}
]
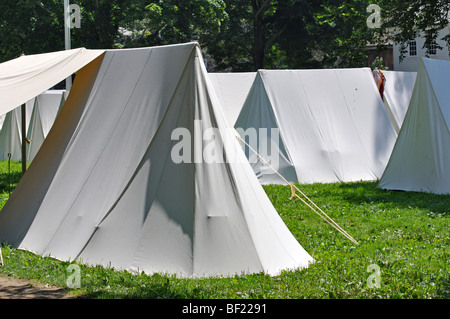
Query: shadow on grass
[
  {"x": 443, "y": 290},
  {"x": 163, "y": 288},
  {"x": 7, "y": 182},
  {"x": 369, "y": 192}
]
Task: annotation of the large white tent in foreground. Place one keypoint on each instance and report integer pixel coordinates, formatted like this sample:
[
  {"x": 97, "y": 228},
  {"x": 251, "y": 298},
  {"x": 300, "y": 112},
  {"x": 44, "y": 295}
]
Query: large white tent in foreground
[
  {"x": 322, "y": 126},
  {"x": 420, "y": 160},
  {"x": 105, "y": 187}
]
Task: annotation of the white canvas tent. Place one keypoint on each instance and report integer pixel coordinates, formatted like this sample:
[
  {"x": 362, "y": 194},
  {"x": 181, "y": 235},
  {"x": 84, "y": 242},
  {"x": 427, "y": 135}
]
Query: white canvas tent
[
  {"x": 11, "y": 132},
  {"x": 40, "y": 115},
  {"x": 398, "y": 89},
  {"x": 231, "y": 89},
  {"x": 105, "y": 188},
  {"x": 45, "y": 109},
  {"x": 420, "y": 160},
  {"x": 323, "y": 126},
  {"x": 2, "y": 119}
]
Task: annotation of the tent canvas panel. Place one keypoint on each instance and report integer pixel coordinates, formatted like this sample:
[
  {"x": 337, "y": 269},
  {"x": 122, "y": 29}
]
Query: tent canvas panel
[
  {"x": 397, "y": 93},
  {"x": 37, "y": 181},
  {"x": 11, "y": 132},
  {"x": 231, "y": 89},
  {"x": 45, "y": 109},
  {"x": 96, "y": 146},
  {"x": 26, "y": 77},
  {"x": 258, "y": 113}
]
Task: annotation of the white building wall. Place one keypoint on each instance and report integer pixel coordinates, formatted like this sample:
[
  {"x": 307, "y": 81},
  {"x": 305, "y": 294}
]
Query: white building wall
[{"x": 409, "y": 63}]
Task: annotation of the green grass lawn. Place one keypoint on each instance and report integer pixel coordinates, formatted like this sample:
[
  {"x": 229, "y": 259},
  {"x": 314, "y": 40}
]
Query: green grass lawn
[{"x": 403, "y": 251}]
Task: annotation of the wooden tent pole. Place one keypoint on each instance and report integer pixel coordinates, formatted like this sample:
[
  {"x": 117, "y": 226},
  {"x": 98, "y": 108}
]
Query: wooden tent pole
[{"x": 24, "y": 139}]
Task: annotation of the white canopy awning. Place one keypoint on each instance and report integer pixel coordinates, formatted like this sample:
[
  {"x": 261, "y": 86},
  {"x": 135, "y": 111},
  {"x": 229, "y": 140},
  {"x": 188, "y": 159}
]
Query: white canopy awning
[{"x": 23, "y": 78}]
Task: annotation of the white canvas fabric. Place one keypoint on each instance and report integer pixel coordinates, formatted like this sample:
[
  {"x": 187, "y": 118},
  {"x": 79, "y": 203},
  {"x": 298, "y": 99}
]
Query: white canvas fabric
[
  {"x": 231, "y": 89},
  {"x": 26, "y": 77},
  {"x": 11, "y": 132},
  {"x": 105, "y": 189},
  {"x": 45, "y": 109},
  {"x": 2, "y": 119},
  {"x": 398, "y": 89},
  {"x": 421, "y": 156},
  {"x": 40, "y": 115},
  {"x": 332, "y": 125}
]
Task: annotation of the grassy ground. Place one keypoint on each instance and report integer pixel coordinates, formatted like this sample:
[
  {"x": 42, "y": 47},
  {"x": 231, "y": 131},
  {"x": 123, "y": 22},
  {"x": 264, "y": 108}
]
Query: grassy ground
[{"x": 403, "y": 252}]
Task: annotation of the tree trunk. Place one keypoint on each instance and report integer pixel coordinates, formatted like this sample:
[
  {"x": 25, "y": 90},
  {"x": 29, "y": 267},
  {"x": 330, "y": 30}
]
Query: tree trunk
[
  {"x": 259, "y": 42},
  {"x": 258, "y": 45}
]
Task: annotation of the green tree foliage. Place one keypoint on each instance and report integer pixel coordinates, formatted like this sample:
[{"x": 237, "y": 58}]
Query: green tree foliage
[
  {"x": 30, "y": 26},
  {"x": 100, "y": 22},
  {"x": 37, "y": 26},
  {"x": 239, "y": 35},
  {"x": 411, "y": 18},
  {"x": 231, "y": 47},
  {"x": 171, "y": 21},
  {"x": 263, "y": 34},
  {"x": 282, "y": 33},
  {"x": 344, "y": 33}
]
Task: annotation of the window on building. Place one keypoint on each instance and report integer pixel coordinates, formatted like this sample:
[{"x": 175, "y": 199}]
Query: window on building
[
  {"x": 412, "y": 48},
  {"x": 432, "y": 47}
]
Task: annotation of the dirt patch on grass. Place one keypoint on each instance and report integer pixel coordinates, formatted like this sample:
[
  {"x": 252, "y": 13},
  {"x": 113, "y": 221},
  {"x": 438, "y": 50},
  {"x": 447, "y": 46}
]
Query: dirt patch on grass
[{"x": 14, "y": 288}]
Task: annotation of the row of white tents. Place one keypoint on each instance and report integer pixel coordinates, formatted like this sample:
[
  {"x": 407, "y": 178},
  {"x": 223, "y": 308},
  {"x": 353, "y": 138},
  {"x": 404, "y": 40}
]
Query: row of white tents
[
  {"x": 333, "y": 126},
  {"x": 103, "y": 188},
  {"x": 334, "y": 138},
  {"x": 40, "y": 113}
]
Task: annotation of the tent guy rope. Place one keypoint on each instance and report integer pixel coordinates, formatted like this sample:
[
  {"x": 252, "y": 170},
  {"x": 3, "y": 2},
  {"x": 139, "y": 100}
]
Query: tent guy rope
[{"x": 316, "y": 209}]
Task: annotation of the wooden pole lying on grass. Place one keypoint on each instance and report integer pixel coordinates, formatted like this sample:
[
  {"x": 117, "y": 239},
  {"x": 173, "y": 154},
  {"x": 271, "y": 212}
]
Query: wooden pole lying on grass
[{"x": 311, "y": 204}]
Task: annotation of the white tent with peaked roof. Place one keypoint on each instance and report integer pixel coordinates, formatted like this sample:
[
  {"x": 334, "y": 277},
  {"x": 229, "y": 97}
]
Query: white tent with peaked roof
[
  {"x": 420, "y": 160},
  {"x": 323, "y": 126},
  {"x": 106, "y": 189},
  {"x": 45, "y": 109},
  {"x": 41, "y": 112},
  {"x": 11, "y": 132}
]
